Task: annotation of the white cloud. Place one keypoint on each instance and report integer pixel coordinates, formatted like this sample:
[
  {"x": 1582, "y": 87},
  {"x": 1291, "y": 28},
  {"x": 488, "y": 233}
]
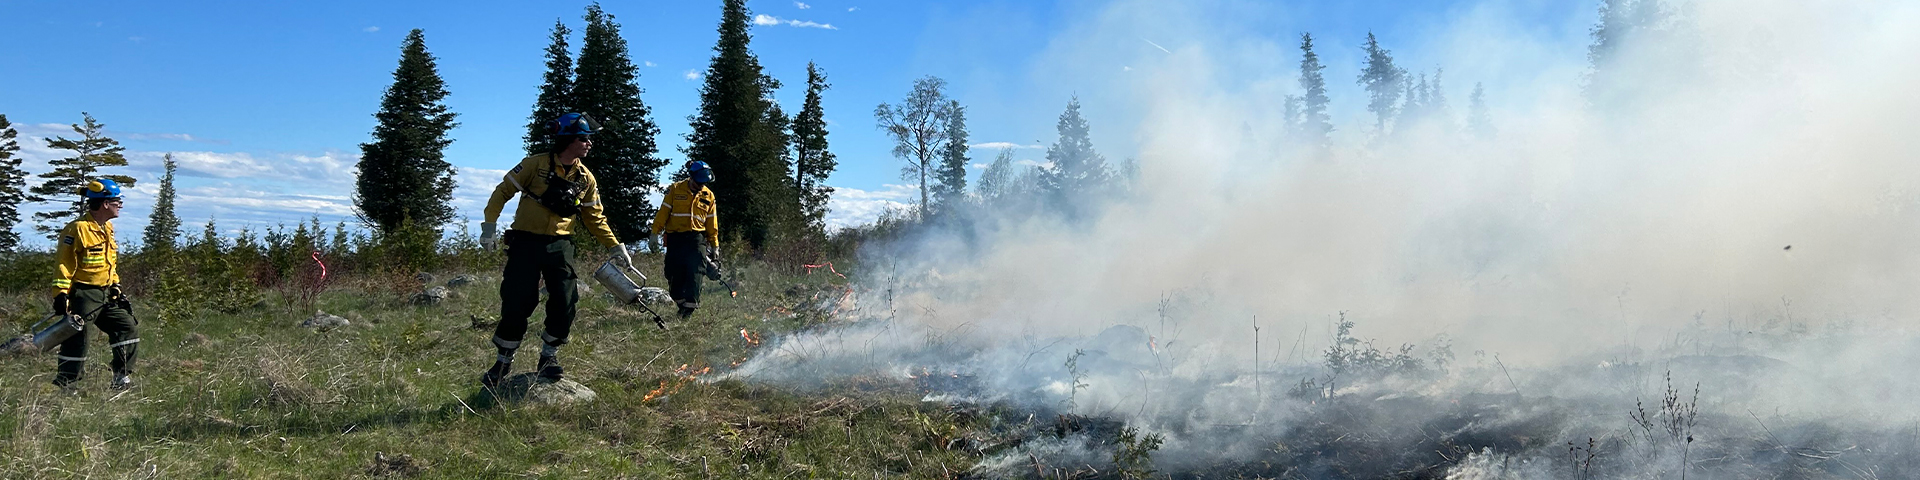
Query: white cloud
[
  {"x": 693, "y": 74},
  {"x": 331, "y": 168},
  {"x": 852, "y": 8},
  {"x": 852, "y": 207},
  {"x": 650, "y": 63},
  {"x": 801, "y": 5},
  {"x": 1001, "y": 145},
  {"x": 370, "y": 29},
  {"x": 764, "y": 19},
  {"x": 1032, "y": 163}
]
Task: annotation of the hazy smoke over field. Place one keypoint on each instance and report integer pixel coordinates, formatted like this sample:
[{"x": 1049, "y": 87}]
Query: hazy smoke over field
[{"x": 1744, "y": 210}]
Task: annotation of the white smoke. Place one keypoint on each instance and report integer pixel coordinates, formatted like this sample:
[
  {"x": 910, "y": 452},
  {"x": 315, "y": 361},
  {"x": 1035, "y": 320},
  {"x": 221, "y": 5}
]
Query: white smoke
[{"x": 1752, "y": 200}]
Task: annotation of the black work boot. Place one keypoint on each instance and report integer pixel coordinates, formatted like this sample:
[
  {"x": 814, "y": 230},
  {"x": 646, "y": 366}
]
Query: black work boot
[
  {"x": 502, "y": 365},
  {"x": 550, "y": 368},
  {"x": 121, "y": 381}
]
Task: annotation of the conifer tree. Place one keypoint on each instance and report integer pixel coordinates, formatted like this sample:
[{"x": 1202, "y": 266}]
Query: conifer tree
[
  {"x": 1624, "y": 22},
  {"x": 1077, "y": 172},
  {"x": 1316, "y": 124},
  {"x": 606, "y": 86},
  {"x": 1479, "y": 122},
  {"x": 741, "y": 134},
  {"x": 918, "y": 128},
  {"x": 554, "y": 91},
  {"x": 950, "y": 191},
  {"x": 403, "y": 172},
  {"x": 91, "y": 151},
  {"x": 13, "y": 186},
  {"x": 812, "y": 162},
  {"x": 1414, "y": 110},
  {"x": 162, "y": 225},
  {"x": 1383, "y": 82}
]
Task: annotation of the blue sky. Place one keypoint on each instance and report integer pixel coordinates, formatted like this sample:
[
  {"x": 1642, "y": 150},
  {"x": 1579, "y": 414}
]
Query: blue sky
[{"x": 266, "y": 103}]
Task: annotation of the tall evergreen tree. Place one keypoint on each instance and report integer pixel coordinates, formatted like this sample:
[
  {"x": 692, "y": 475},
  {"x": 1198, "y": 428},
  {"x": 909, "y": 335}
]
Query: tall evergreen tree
[
  {"x": 404, "y": 173},
  {"x": 1437, "y": 100},
  {"x": 13, "y": 186},
  {"x": 740, "y": 133},
  {"x": 812, "y": 162},
  {"x": 1316, "y": 123},
  {"x": 1383, "y": 82},
  {"x": 91, "y": 152},
  {"x": 918, "y": 127},
  {"x": 950, "y": 191},
  {"x": 1479, "y": 122},
  {"x": 163, "y": 227},
  {"x": 555, "y": 89},
  {"x": 1290, "y": 123},
  {"x": 1076, "y": 172},
  {"x": 1414, "y": 110},
  {"x": 1623, "y": 22},
  {"x": 606, "y": 86}
]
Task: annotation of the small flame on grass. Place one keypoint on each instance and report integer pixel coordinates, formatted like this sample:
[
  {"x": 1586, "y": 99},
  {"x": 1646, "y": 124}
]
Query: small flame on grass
[
  {"x": 744, "y": 334},
  {"x": 681, "y": 377}
]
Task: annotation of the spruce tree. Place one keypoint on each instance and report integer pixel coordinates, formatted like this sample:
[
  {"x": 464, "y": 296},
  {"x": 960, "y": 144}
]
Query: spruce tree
[
  {"x": 13, "y": 186},
  {"x": 812, "y": 162},
  {"x": 741, "y": 134},
  {"x": 950, "y": 191},
  {"x": 918, "y": 128},
  {"x": 1437, "y": 107},
  {"x": 1383, "y": 82},
  {"x": 1414, "y": 110},
  {"x": 403, "y": 171},
  {"x": 162, "y": 225},
  {"x": 91, "y": 151},
  {"x": 1076, "y": 172},
  {"x": 554, "y": 92},
  {"x": 1479, "y": 122},
  {"x": 606, "y": 86},
  {"x": 1316, "y": 124}
]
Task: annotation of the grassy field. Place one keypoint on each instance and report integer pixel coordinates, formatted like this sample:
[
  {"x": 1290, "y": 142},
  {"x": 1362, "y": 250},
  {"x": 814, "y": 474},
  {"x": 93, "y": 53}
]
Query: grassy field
[{"x": 395, "y": 394}]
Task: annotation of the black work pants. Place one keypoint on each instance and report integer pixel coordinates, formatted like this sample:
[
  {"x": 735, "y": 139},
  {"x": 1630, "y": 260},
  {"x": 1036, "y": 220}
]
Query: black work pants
[
  {"x": 685, "y": 264},
  {"x": 101, "y": 312},
  {"x": 531, "y": 257}
]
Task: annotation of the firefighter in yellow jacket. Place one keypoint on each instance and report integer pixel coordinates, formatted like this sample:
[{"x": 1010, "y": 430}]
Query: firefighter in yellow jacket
[
  {"x": 690, "y": 226},
  {"x": 554, "y": 188},
  {"x": 88, "y": 285}
]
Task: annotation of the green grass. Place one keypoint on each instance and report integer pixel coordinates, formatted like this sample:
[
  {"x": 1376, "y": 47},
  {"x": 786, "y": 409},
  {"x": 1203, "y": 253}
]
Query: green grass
[{"x": 253, "y": 395}]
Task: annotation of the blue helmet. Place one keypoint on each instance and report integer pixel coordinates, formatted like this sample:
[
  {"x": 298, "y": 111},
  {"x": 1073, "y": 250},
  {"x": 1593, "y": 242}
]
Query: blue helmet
[
  {"x": 699, "y": 172},
  {"x": 571, "y": 124},
  {"x": 101, "y": 188}
]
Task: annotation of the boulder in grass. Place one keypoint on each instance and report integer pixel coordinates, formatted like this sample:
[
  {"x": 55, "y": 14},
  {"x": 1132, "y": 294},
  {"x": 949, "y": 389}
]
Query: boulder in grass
[
  {"x": 323, "y": 321},
  {"x": 461, "y": 281},
  {"x": 530, "y": 388},
  {"x": 433, "y": 296},
  {"x": 655, "y": 296}
]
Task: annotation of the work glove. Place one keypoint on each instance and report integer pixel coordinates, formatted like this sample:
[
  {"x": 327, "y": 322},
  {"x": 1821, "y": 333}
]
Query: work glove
[
  {"x": 115, "y": 293},
  {"x": 486, "y": 236},
  {"x": 60, "y": 304},
  {"x": 620, "y": 256}
]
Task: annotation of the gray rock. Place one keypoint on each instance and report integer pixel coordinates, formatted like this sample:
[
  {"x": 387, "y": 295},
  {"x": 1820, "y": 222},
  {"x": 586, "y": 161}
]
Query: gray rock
[
  {"x": 655, "y": 296},
  {"x": 461, "y": 281},
  {"x": 323, "y": 321},
  {"x": 530, "y": 388},
  {"x": 433, "y": 296},
  {"x": 583, "y": 288}
]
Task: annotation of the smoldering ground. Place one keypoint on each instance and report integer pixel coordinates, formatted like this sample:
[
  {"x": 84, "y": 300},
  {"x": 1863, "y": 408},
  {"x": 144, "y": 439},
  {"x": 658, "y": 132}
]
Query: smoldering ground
[{"x": 1724, "y": 204}]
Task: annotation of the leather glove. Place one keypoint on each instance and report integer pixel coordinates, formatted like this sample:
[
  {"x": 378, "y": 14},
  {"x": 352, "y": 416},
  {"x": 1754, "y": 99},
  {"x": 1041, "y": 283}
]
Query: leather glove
[
  {"x": 620, "y": 256},
  {"x": 60, "y": 304},
  {"x": 486, "y": 236},
  {"x": 115, "y": 293}
]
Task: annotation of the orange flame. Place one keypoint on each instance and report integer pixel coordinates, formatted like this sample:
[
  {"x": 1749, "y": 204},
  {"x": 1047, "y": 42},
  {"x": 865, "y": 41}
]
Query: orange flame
[
  {"x": 681, "y": 377},
  {"x": 749, "y": 337}
]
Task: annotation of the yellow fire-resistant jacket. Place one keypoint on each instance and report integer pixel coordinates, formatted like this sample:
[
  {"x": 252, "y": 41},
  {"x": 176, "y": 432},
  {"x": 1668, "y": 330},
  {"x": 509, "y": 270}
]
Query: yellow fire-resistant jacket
[
  {"x": 684, "y": 210},
  {"x": 530, "y": 178},
  {"x": 87, "y": 254}
]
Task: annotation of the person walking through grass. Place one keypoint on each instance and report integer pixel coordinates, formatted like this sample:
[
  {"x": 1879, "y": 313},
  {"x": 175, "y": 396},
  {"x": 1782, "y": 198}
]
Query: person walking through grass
[
  {"x": 88, "y": 285},
  {"x": 690, "y": 227},
  {"x": 554, "y": 189}
]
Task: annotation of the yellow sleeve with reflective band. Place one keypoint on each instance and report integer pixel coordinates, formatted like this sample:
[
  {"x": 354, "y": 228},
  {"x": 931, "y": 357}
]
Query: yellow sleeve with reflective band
[
  {"x": 666, "y": 209},
  {"x": 510, "y": 184},
  {"x": 713, "y": 220},
  {"x": 593, "y": 213},
  {"x": 67, "y": 258}
]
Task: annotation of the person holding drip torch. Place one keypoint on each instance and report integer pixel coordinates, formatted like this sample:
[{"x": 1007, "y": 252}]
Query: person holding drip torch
[
  {"x": 690, "y": 226},
  {"x": 88, "y": 288},
  {"x": 554, "y": 189}
]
